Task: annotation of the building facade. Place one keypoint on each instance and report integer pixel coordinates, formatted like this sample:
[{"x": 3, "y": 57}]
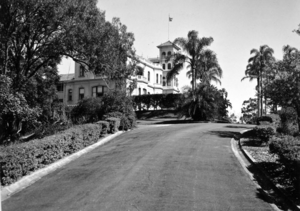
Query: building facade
[{"x": 80, "y": 84}]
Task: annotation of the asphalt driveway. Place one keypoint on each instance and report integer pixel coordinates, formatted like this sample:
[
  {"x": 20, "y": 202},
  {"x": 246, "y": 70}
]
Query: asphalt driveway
[{"x": 154, "y": 167}]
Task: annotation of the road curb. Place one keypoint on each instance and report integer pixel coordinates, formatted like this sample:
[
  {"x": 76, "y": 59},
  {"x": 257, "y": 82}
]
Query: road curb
[
  {"x": 28, "y": 180},
  {"x": 280, "y": 192},
  {"x": 244, "y": 165}
]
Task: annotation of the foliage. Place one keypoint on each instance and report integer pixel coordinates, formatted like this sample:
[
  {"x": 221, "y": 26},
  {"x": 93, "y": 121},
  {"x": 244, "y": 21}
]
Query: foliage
[
  {"x": 262, "y": 119},
  {"x": 156, "y": 100},
  {"x": 35, "y": 35},
  {"x": 126, "y": 121},
  {"x": 87, "y": 110},
  {"x": 114, "y": 124},
  {"x": 288, "y": 150},
  {"x": 258, "y": 65},
  {"x": 104, "y": 127},
  {"x": 284, "y": 90},
  {"x": 194, "y": 47},
  {"x": 249, "y": 111},
  {"x": 20, "y": 160},
  {"x": 15, "y": 112},
  {"x": 209, "y": 103},
  {"x": 263, "y": 133},
  {"x": 289, "y": 124}
]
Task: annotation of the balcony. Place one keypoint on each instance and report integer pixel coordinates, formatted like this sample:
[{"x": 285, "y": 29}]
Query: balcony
[{"x": 141, "y": 78}]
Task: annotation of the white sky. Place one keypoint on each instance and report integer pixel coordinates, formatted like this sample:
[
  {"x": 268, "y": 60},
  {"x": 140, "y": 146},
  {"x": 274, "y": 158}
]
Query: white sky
[{"x": 237, "y": 26}]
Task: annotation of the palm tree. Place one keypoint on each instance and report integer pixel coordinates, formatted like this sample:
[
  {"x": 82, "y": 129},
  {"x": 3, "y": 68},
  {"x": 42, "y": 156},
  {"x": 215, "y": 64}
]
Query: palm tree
[
  {"x": 257, "y": 64},
  {"x": 207, "y": 68},
  {"x": 192, "y": 47}
]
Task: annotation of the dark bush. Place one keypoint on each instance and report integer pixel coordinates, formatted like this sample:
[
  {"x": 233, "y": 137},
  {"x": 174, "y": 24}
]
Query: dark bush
[
  {"x": 21, "y": 159},
  {"x": 88, "y": 110},
  {"x": 264, "y": 119},
  {"x": 289, "y": 123},
  {"x": 48, "y": 130},
  {"x": 264, "y": 134},
  {"x": 165, "y": 101},
  {"x": 114, "y": 124},
  {"x": 104, "y": 127},
  {"x": 288, "y": 150}
]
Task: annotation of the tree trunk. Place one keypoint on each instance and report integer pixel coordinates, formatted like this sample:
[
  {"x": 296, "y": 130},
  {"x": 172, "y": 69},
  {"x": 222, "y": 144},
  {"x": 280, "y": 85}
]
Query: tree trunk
[{"x": 258, "y": 97}]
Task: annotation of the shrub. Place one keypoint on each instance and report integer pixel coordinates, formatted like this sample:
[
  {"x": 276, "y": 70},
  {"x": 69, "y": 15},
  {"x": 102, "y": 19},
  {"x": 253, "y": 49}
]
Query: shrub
[
  {"x": 88, "y": 110},
  {"x": 19, "y": 160},
  {"x": 289, "y": 124},
  {"x": 263, "y": 133},
  {"x": 114, "y": 124},
  {"x": 104, "y": 127},
  {"x": 264, "y": 120},
  {"x": 126, "y": 121},
  {"x": 288, "y": 150},
  {"x": 47, "y": 130}
]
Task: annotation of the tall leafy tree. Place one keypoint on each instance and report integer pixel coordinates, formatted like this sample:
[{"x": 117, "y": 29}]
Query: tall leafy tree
[
  {"x": 207, "y": 68},
  {"x": 284, "y": 90},
  {"x": 257, "y": 64},
  {"x": 192, "y": 48}
]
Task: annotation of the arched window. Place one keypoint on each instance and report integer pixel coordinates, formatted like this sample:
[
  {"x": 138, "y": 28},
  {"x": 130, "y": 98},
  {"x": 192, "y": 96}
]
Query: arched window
[
  {"x": 139, "y": 91},
  {"x": 81, "y": 93},
  {"x": 164, "y": 66},
  {"x": 169, "y": 66},
  {"x": 169, "y": 53},
  {"x": 163, "y": 54}
]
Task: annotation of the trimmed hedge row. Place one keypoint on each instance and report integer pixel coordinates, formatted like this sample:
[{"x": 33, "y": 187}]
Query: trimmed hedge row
[
  {"x": 156, "y": 100},
  {"x": 288, "y": 150},
  {"x": 21, "y": 159}
]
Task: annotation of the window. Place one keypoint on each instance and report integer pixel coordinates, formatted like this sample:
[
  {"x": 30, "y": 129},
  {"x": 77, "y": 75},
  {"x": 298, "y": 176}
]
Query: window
[
  {"x": 148, "y": 75},
  {"x": 163, "y": 54},
  {"x": 148, "y": 93},
  {"x": 60, "y": 87},
  {"x": 97, "y": 91},
  {"x": 169, "y": 53},
  {"x": 157, "y": 78},
  {"x": 164, "y": 66},
  {"x": 70, "y": 95},
  {"x": 139, "y": 91},
  {"x": 164, "y": 82},
  {"x": 81, "y": 71},
  {"x": 169, "y": 66},
  {"x": 81, "y": 93},
  {"x": 144, "y": 91},
  {"x": 160, "y": 79}
]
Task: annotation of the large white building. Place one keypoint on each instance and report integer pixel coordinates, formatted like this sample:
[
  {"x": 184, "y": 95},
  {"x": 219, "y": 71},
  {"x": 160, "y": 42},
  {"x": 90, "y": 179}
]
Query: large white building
[{"x": 76, "y": 86}]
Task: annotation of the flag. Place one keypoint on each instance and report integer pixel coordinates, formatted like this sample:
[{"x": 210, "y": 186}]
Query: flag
[{"x": 170, "y": 19}]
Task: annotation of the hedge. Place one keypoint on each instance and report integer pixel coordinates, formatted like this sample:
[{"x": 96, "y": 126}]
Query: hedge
[
  {"x": 156, "y": 100},
  {"x": 114, "y": 124},
  {"x": 288, "y": 150},
  {"x": 104, "y": 127},
  {"x": 21, "y": 159}
]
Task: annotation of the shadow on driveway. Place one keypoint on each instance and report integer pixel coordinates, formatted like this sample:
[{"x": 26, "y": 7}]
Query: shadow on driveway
[{"x": 227, "y": 134}]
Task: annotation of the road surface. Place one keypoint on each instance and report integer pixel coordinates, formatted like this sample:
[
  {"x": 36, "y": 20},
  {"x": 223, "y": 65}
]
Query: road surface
[{"x": 154, "y": 167}]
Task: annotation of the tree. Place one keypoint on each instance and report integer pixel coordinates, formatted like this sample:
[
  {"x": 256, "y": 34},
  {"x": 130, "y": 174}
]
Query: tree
[
  {"x": 209, "y": 103},
  {"x": 257, "y": 64},
  {"x": 193, "y": 47},
  {"x": 14, "y": 112},
  {"x": 284, "y": 90},
  {"x": 207, "y": 68},
  {"x": 249, "y": 111},
  {"x": 35, "y": 35}
]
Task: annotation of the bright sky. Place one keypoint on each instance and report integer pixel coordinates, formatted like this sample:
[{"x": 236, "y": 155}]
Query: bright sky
[{"x": 237, "y": 26}]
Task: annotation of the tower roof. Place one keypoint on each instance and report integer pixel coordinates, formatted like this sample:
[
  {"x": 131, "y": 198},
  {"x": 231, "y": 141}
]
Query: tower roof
[{"x": 168, "y": 43}]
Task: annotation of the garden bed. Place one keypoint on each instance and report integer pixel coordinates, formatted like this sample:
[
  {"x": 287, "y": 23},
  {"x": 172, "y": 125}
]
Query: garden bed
[{"x": 272, "y": 167}]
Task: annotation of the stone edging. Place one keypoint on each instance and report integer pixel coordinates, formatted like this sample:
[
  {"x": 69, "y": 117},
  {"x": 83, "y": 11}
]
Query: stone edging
[
  {"x": 28, "y": 180},
  {"x": 253, "y": 162}
]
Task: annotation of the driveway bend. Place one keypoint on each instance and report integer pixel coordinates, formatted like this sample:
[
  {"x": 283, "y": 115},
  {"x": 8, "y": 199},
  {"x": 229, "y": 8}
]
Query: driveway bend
[{"x": 155, "y": 167}]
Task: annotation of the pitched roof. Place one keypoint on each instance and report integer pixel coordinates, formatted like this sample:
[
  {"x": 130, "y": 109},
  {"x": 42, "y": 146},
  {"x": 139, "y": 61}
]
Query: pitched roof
[
  {"x": 66, "y": 77},
  {"x": 168, "y": 43}
]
